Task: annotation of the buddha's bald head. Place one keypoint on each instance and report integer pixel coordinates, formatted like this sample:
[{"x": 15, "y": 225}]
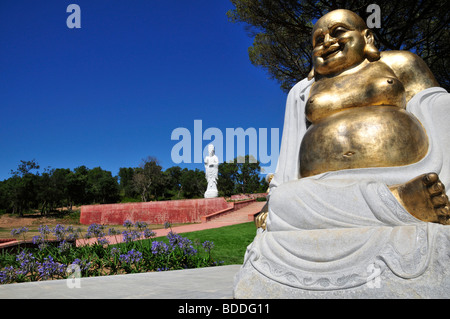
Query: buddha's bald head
[{"x": 343, "y": 16}]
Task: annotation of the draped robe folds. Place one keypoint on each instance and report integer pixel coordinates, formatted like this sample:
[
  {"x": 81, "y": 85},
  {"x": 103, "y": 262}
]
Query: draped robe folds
[{"x": 343, "y": 229}]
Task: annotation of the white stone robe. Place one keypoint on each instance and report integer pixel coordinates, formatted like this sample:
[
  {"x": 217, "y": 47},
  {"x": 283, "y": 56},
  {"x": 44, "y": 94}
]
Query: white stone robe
[{"x": 342, "y": 229}]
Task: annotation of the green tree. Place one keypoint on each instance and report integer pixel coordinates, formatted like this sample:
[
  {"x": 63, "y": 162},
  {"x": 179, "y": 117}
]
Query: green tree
[
  {"x": 172, "y": 177},
  {"x": 60, "y": 178},
  {"x": 23, "y": 187},
  {"x": 239, "y": 176},
  {"x": 4, "y": 203},
  {"x": 102, "y": 187},
  {"x": 76, "y": 188},
  {"x": 148, "y": 178},
  {"x": 126, "y": 182},
  {"x": 193, "y": 183},
  {"x": 248, "y": 179},
  {"x": 25, "y": 167},
  {"x": 226, "y": 181},
  {"x": 78, "y": 185},
  {"x": 60, "y": 187},
  {"x": 264, "y": 185},
  {"x": 47, "y": 193},
  {"x": 281, "y": 30}
]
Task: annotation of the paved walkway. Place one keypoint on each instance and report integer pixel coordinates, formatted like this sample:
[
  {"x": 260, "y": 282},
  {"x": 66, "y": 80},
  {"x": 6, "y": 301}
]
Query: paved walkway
[
  {"x": 240, "y": 216},
  {"x": 200, "y": 283}
]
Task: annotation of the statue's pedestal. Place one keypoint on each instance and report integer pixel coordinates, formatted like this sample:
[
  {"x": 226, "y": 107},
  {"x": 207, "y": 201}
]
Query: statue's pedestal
[
  {"x": 210, "y": 193},
  {"x": 250, "y": 284},
  {"x": 262, "y": 278}
]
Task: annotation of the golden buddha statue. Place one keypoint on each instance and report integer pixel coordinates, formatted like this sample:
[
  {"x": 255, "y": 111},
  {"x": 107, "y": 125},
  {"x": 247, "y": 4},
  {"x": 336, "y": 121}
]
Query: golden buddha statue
[
  {"x": 356, "y": 113},
  {"x": 359, "y": 185}
]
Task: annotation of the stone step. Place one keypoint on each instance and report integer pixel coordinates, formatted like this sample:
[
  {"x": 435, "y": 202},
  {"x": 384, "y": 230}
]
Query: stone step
[{"x": 243, "y": 215}]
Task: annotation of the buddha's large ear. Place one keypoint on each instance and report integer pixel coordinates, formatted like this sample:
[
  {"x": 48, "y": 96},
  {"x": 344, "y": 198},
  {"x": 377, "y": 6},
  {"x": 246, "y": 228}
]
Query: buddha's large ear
[
  {"x": 371, "y": 52},
  {"x": 311, "y": 74}
]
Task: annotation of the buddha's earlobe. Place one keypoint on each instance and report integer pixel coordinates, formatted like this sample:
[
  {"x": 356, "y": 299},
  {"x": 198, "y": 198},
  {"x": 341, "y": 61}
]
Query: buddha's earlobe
[{"x": 370, "y": 51}]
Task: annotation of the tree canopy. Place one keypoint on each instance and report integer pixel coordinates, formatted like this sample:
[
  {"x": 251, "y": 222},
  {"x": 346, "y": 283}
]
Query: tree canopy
[
  {"x": 281, "y": 30},
  {"x": 29, "y": 189},
  {"x": 56, "y": 188},
  {"x": 241, "y": 176}
]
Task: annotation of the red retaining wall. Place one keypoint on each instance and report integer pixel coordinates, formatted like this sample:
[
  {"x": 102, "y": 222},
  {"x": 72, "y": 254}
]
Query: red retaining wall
[{"x": 174, "y": 211}]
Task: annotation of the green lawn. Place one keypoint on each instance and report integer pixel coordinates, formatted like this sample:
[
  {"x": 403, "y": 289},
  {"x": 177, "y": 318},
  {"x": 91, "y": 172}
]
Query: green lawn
[{"x": 230, "y": 242}]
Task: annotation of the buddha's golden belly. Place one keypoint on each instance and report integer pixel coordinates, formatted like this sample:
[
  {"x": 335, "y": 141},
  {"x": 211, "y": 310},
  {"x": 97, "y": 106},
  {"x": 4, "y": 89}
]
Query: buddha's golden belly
[{"x": 373, "y": 136}]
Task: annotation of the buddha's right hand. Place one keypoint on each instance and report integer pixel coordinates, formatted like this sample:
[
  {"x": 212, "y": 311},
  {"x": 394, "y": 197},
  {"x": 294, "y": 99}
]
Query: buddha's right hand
[{"x": 260, "y": 219}]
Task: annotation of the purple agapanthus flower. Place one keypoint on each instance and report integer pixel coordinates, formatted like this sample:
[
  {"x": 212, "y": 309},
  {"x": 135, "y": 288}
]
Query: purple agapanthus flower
[
  {"x": 132, "y": 257},
  {"x": 49, "y": 268},
  {"x": 159, "y": 247}
]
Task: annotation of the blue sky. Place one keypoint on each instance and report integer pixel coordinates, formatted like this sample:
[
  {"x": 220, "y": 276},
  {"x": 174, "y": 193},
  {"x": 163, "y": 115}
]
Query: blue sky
[{"x": 112, "y": 92}]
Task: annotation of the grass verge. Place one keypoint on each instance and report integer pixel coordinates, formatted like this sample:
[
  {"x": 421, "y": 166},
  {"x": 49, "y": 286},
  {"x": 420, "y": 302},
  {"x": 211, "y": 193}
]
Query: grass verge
[{"x": 230, "y": 242}]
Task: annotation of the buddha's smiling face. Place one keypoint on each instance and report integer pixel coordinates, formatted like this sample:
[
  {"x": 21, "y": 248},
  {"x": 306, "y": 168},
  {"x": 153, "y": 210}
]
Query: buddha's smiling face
[{"x": 339, "y": 39}]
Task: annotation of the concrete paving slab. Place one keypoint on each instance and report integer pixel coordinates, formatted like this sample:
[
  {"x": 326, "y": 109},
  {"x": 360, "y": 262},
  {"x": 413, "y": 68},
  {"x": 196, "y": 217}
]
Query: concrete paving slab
[{"x": 199, "y": 283}]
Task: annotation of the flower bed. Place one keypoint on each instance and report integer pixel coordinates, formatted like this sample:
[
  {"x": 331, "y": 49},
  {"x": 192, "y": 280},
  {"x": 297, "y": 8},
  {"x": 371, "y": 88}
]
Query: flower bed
[{"x": 54, "y": 256}]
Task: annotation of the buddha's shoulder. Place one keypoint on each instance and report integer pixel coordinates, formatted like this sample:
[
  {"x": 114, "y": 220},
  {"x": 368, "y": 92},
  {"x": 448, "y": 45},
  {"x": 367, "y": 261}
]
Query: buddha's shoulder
[
  {"x": 399, "y": 60},
  {"x": 406, "y": 62},
  {"x": 410, "y": 69},
  {"x": 399, "y": 54}
]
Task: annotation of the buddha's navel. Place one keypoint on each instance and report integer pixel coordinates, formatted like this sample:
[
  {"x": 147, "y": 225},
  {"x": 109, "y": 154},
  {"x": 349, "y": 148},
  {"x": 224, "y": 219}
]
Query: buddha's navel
[{"x": 372, "y": 136}]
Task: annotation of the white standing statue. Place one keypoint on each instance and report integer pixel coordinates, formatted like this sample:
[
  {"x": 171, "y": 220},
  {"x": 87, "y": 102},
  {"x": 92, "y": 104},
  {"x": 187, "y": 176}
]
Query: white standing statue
[{"x": 211, "y": 172}]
